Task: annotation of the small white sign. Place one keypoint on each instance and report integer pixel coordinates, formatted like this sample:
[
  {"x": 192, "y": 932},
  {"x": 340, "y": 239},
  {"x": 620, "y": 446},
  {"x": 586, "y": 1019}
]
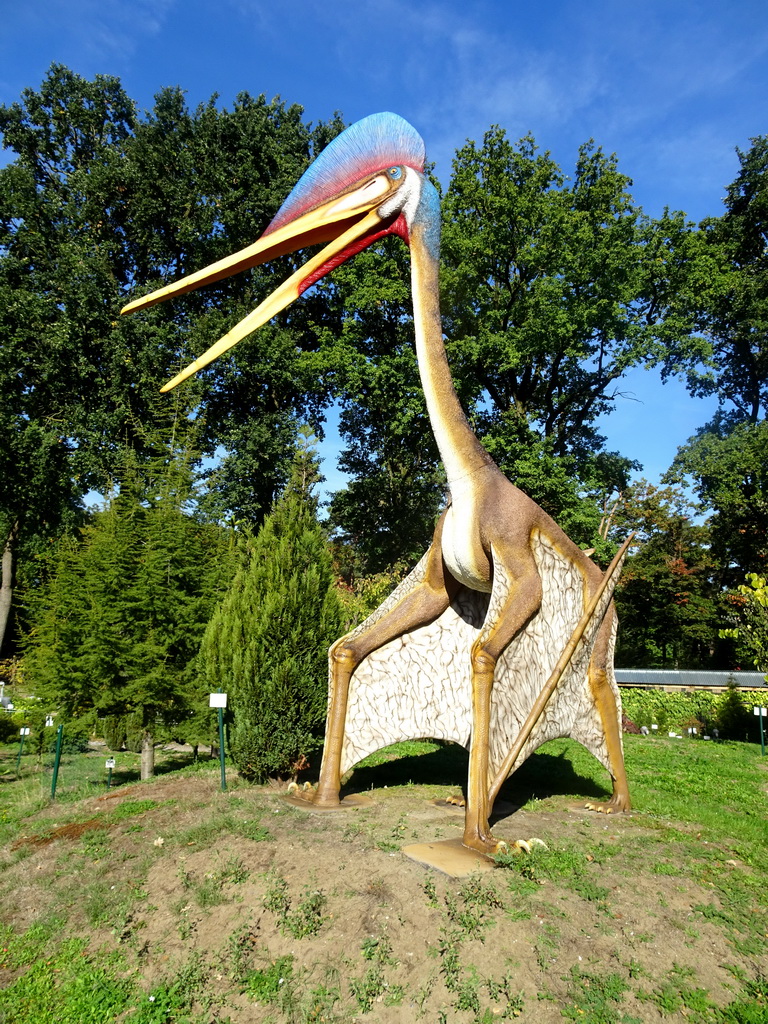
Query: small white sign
[
  {"x": 217, "y": 700},
  {"x": 49, "y": 719},
  {"x": 758, "y": 711},
  {"x": 654, "y": 726},
  {"x": 23, "y": 732},
  {"x": 110, "y": 762}
]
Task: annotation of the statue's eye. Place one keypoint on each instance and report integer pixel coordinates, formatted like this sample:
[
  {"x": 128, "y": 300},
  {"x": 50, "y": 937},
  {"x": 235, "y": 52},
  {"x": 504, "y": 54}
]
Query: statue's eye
[{"x": 395, "y": 173}]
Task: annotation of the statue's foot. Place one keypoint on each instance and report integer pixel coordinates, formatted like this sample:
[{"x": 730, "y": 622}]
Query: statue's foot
[
  {"x": 493, "y": 847},
  {"x": 616, "y": 805},
  {"x": 313, "y": 795},
  {"x": 456, "y": 800},
  {"x": 486, "y": 844}
]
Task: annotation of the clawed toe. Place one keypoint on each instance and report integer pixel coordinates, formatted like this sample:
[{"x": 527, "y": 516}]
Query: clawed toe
[
  {"x": 608, "y": 808},
  {"x": 529, "y": 845}
]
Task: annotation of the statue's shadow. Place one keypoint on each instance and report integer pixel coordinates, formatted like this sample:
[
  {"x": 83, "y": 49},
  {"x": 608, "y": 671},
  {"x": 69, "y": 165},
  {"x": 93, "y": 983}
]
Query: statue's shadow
[{"x": 542, "y": 775}]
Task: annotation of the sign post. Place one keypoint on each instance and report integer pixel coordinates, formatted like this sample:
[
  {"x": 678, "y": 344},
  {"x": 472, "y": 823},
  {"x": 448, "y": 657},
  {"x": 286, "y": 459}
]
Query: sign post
[
  {"x": 110, "y": 766},
  {"x": 22, "y": 733},
  {"x": 56, "y": 760},
  {"x": 760, "y": 712},
  {"x": 219, "y": 700}
]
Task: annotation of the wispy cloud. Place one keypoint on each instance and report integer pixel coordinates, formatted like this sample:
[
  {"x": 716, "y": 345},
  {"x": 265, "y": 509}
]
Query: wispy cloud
[{"x": 95, "y": 34}]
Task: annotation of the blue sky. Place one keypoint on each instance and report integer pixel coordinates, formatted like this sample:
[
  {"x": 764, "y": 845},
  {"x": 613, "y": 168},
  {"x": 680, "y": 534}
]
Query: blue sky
[{"x": 671, "y": 86}]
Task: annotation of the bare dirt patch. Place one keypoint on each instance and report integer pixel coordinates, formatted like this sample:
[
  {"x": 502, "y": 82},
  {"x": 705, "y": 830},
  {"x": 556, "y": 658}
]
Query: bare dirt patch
[{"x": 246, "y": 886}]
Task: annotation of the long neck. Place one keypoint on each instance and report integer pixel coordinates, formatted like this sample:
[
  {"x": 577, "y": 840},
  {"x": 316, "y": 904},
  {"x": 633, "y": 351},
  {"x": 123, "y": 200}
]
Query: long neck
[{"x": 460, "y": 450}]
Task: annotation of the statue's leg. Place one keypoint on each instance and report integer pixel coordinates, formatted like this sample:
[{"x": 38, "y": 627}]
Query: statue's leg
[
  {"x": 515, "y": 599},
  {"x": 424, "y": 602},
  {"x": 605, "y": 702}
]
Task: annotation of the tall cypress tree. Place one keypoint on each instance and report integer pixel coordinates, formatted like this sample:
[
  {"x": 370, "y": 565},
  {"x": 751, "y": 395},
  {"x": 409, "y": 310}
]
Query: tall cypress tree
[{"x": 267, "y": 642}]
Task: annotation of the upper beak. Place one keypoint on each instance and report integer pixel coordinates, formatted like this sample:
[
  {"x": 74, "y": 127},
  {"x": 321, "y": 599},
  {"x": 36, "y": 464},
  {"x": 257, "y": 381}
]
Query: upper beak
[{"x": 341, "y": 222}]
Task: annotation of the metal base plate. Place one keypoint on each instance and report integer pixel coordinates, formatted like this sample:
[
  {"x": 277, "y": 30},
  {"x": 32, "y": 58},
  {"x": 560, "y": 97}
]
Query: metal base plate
[
  {"x": 347, "y": 803},
  {"x": 449, "y": 857}
]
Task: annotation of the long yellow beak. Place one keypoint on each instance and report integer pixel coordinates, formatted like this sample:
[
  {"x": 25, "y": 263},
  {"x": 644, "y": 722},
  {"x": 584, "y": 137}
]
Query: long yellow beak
[{"x": 318, "y": 225}]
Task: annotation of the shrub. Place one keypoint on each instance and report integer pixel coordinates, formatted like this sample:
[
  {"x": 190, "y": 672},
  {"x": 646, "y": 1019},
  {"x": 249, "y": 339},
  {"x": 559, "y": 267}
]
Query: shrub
[
  {"x": 267, "y": 643},
  {"x": 113, "y": 732},
  {"x": 134, "y": 731},
  {"x": 732, "y": 719},
  {"x": 729, "y": 712},
  {"x": 74, "y": 739}
]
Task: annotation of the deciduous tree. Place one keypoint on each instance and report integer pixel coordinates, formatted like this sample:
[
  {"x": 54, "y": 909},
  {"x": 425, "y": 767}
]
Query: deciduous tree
[
  {"x": 666, "y": 599},
  {"x": 97, "y": 200}
]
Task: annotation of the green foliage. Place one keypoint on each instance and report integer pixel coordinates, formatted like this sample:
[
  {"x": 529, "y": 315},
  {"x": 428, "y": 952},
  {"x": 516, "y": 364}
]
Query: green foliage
[
  {"x": 266, "y": 644},
  {"x": 730, "y": 294},
  {"x": 264, "y": 985},
  {"x": 749, "y": 609},
  {"x": 552, "y": 289},
  {"x": 134, "y": 731},
  {"x": 113, "y": 731},
  {"x": 592, "y": 998},
  {"x": 302, "y": 920},
  {"x": 98, "y": 198},
  {"x": 732, "y": 716},
  {"x": 730, "y": 712},
  {"x": 364, "y": 595},
  {"x": 388, "y": 510},
  {"x": 74, "y": 737},
  {"x": 118, "y": 623},
  {"x": 729, "y": 467},
  {"x": 82, "y": 991},
  {"x": 666, "y": 599}
]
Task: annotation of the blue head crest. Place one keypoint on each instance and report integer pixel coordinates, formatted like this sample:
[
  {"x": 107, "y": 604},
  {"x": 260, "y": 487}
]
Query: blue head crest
[{"x": 368, "y": 146}]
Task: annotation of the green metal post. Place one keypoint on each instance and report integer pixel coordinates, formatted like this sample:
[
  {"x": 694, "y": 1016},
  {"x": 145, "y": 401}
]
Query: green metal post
[
  {"x": 109, "y": 778},
  {"x": 20, "y": 748},
  {"x": 56, "y": 759},
  {"x": 762, "y": 733},
  {"x": 221, "y": 750}
]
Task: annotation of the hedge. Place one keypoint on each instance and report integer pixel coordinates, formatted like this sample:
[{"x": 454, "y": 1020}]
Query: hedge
[{"x": 730, "y": 712}]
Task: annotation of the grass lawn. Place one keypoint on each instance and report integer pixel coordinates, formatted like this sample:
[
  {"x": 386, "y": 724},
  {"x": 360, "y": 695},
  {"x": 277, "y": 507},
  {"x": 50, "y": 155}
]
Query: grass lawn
[{"x": 170, "y": 902}]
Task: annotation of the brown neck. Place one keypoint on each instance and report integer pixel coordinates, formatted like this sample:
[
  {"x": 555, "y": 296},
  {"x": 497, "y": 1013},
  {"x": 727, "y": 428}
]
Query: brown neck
[{"x": 460, "y": 450}]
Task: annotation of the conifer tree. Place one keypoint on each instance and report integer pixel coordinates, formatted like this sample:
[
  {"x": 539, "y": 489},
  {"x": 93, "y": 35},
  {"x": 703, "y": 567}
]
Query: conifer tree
[
  {"x": 267, "y": 642},
  {"x": 117, "y": 628}
]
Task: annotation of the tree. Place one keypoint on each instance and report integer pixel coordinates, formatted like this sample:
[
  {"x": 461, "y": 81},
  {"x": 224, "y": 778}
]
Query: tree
[
  {"x": 666, "y": 600},
  {"x": 97, "y": 200},
  {"x": 749, "y": 611},
  {"x": 266, "y": 644},
  {"x": 729, "y": 467},
  {"x": 388, "y": 510},
  {"x": 117, "y": 626},
  {"x": 729, "y": 295},
  {"x": 54, "y": 283},
  {"x": 552, "y": 290},
  {"x": 728, "y": 292}
]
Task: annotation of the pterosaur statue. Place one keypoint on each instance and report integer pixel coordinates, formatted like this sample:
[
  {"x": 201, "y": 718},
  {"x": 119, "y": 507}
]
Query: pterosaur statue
[{"x": 502, "y": 636}]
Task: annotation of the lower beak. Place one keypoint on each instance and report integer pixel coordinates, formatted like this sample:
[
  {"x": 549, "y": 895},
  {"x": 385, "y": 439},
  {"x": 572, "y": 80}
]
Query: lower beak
[{"x": 344, "y": 222}]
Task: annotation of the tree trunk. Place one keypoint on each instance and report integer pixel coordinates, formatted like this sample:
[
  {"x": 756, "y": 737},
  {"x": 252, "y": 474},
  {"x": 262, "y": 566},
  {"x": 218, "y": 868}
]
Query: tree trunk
[
  {"x": 6, "y": 580},
  {"x": 147, "y": 755}
]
